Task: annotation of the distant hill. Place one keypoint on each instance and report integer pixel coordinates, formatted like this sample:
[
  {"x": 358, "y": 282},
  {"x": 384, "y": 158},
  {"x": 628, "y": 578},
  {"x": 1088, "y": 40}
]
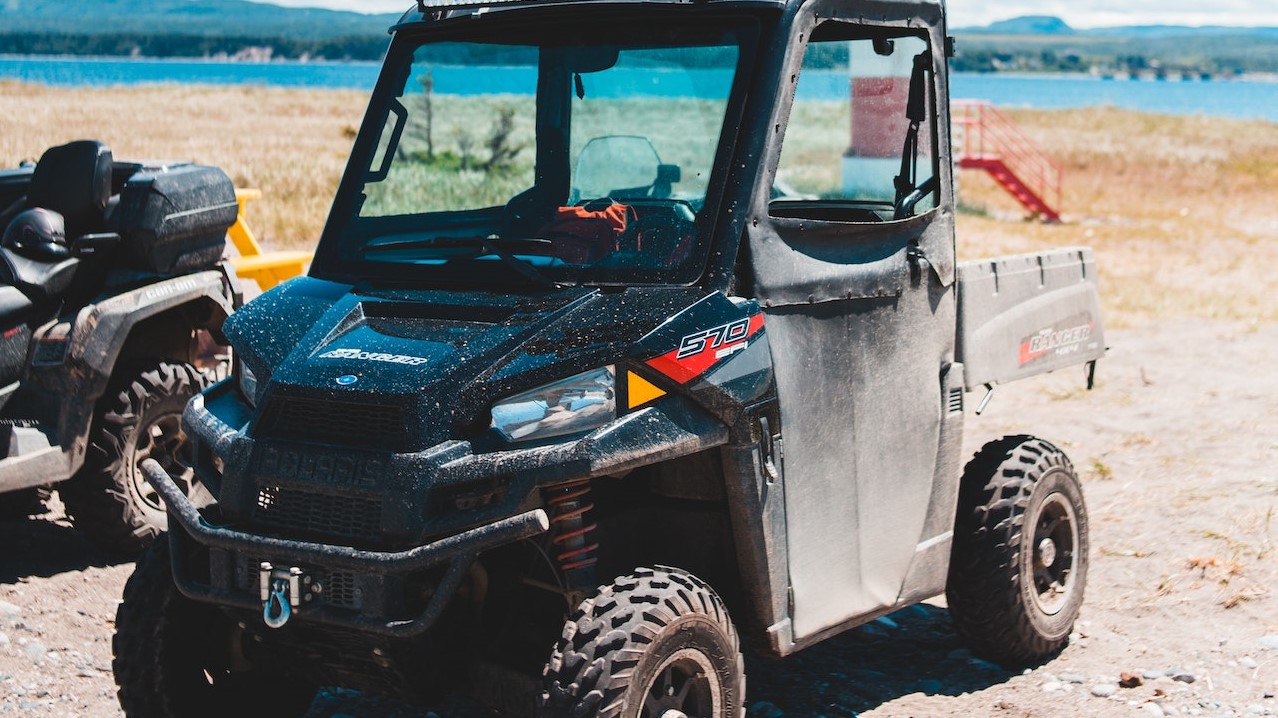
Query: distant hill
[
  {"x": 251, "y": 30},
  {"x": 1051, "y": 25},
  {"x": 1025, "y": 25},
  {"x": 204, "y": 18},
  {"x": 1048, "y": 44}
]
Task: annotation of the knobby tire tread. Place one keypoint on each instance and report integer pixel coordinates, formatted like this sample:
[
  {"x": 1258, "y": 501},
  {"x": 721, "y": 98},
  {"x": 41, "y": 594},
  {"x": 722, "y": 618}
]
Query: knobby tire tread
[
  {"x": 984, "y": 589},
  {"x": 595, "y": 660},
  {"x": 95, "y": 498}
]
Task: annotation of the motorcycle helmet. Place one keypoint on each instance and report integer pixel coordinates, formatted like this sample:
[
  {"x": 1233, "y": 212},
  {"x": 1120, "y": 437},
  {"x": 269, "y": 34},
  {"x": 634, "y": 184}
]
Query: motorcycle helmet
[{"x": 38, "y": 234}]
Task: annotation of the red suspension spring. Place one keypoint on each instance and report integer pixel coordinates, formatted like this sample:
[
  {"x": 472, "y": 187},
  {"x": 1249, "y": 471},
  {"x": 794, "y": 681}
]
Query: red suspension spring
[{"x": 570, "y": 533}]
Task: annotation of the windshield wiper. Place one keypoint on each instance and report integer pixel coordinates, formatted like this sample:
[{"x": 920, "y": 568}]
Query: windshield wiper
[{"x": 522, "y": 267}]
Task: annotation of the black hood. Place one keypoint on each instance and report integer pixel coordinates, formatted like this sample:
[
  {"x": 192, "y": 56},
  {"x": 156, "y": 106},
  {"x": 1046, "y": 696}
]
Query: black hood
[{"x": 407, "y": 370}]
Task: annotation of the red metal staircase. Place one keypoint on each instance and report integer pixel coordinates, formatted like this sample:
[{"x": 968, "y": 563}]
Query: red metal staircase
[{"x": 986, "y": 139}]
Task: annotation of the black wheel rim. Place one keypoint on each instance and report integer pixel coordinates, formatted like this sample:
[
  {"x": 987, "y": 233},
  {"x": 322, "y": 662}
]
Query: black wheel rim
[
  {"x": 162, "y": 439},
  {"x": 685, "y": 686},
  {"x": 1055, "y": 558}
]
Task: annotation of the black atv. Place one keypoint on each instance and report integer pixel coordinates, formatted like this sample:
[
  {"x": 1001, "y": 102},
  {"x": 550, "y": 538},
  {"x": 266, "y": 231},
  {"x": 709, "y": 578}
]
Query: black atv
[
  {"x": 661, "y": 364},
  {"x": 110, "y": 284}
]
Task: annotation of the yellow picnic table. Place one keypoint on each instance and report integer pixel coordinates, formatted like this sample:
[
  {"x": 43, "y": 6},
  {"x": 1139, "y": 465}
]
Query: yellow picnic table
[{"x": 266, "y": 268}]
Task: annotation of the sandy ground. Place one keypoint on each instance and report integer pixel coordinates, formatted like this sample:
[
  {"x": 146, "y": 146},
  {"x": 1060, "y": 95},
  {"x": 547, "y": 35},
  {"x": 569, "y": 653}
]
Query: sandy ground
[{"x": 1176, "y": 448}]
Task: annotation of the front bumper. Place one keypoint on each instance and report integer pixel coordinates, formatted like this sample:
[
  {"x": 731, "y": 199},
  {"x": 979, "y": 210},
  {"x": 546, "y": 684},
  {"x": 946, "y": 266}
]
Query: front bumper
[
  {"x": 429, "y": 514},
  {"x": 456, "y": 552}
]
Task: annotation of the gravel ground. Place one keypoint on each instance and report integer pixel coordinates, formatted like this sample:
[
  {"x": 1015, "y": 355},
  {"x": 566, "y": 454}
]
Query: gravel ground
[{"x": 1176, "y": 449}]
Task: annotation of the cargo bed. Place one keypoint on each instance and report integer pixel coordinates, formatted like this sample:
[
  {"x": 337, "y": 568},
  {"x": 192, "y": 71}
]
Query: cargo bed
[{"x": 1027, "y": 314}]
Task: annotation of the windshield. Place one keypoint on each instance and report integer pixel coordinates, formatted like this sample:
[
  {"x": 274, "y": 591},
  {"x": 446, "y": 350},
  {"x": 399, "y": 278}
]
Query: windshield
[{"x": 550, "y": 161}]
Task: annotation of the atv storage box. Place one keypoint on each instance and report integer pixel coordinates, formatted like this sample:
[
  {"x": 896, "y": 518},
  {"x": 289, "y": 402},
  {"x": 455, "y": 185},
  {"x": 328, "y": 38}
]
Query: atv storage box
[{"x": 174, "y": 219}]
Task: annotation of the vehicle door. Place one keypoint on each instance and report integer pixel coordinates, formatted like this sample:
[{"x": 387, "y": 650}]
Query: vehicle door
[{"x": 852, "y": 257}]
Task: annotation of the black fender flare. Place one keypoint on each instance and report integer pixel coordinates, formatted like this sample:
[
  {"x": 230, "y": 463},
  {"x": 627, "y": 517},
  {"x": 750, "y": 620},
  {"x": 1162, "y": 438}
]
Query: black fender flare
[{"x": 73, "y": 359}]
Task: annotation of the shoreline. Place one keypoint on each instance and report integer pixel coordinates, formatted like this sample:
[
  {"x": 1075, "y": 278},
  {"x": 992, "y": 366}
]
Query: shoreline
[{"x": 220, "y": 59}]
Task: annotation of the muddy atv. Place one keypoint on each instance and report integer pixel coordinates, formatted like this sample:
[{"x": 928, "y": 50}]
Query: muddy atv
[
  {"x": 665, "y": 366},
  {"x": 110, "y": 282}
]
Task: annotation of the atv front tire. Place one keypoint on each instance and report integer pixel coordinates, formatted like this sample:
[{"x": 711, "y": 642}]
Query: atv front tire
[
  {"x": 109, "y": 498},
  {"x": 177, "y": 658},
  {"x": 1019, "y": 561},
  {"x": 653, "y": 644}
]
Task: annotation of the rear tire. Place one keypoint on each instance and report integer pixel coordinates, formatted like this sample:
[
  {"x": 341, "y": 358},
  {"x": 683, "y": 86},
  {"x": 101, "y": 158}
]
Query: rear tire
[
  {"x": 109, "y": 499},
  {"x": 650, "y": 643},
  {"x": 174, "y": 656},
  {"x": 1019, "y": 562}
]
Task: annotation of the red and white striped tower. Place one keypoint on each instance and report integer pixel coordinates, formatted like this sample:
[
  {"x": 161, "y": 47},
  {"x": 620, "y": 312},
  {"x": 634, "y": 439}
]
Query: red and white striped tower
[{"x": 879, "y": 88}]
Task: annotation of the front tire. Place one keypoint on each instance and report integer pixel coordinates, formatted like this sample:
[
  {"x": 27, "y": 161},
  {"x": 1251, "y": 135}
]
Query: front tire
[
  {"x": 1019, "y": 562},
  {"x": 658, "y": 643},
  {"x": 109, "y": 498},
  {"x": 176, "y": 658}
]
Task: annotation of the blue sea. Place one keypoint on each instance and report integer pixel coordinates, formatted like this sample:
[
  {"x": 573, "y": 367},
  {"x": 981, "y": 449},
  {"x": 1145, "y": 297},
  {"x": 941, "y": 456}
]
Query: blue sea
[{"x": 1249, "y": 99}]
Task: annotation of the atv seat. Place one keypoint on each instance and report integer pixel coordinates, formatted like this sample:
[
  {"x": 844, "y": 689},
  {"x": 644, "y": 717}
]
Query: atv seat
[
  {"x": 40, "y": 281},
  {"x": 74, "y": 180}
]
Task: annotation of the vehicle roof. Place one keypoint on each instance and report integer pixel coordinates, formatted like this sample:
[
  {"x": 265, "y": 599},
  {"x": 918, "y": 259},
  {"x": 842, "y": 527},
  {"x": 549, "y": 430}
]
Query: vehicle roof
[{"x": 426, "y": 8}]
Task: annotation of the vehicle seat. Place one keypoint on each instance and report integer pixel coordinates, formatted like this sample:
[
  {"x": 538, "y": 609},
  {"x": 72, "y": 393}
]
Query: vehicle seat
[
  {"x": 74, "y": 180},
  {"x": 38, "y": 280}
]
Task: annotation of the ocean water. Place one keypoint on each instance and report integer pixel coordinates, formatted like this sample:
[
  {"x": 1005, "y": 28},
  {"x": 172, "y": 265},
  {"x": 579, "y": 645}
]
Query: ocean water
[{"x": 1248, "y": 99}]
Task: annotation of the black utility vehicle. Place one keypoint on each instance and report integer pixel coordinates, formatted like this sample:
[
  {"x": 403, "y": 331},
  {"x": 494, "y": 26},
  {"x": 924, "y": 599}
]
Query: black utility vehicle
[
  {"x": 648, "y": 319},
  {"x": 109, "y": 275}
]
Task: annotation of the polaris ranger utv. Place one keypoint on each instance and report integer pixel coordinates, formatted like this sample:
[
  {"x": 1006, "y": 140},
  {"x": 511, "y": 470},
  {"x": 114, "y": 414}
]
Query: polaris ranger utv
[
  {"x": 109, "y": 272},
  {"x": 662, "y": 362}
]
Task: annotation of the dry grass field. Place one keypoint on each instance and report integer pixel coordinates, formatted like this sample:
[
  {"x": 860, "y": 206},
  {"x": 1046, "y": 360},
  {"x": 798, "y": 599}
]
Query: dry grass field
[
  {"x": 1181, "y": 211},
  {"x": 291, "y": 144}
]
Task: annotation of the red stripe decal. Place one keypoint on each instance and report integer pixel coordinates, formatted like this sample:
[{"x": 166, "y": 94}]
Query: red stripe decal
[{"x": 699, "y": 351}]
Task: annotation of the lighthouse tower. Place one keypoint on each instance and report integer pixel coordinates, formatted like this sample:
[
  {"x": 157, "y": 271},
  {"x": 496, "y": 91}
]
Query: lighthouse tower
[{"x": 880, "y": 89}]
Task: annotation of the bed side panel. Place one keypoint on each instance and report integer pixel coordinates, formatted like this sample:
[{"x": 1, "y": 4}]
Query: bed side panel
[{"x": 1028, "y": 314}]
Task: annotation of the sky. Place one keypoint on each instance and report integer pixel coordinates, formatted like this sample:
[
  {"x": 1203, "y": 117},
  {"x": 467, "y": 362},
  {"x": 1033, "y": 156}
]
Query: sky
[{"x": 966, "y": 13}]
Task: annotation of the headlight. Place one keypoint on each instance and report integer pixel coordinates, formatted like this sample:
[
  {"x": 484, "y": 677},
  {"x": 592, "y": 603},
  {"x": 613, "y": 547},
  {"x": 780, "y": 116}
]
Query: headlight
[
  {"x": 247, "y": 383},
  {"x": 569, "y": 406}
]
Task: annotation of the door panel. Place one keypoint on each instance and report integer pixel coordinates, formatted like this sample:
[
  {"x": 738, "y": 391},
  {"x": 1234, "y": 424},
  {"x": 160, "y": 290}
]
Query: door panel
[
  {"x": 860, "y": 397},
  {"x": 857, "y": 288}
]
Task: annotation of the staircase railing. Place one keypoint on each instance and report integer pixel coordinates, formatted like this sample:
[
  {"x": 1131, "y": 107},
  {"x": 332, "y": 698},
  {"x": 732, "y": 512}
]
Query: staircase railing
[{"x": 984, "y": 134}]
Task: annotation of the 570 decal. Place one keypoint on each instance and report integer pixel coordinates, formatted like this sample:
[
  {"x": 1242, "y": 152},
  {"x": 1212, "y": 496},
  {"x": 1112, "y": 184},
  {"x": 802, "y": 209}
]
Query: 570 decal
[
  {"x": 699, "y": 351},
  {"x": 713, "y": 338}
]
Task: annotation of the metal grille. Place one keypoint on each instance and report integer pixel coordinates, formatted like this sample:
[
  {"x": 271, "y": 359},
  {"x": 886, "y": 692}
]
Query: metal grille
[
  {"x": 954, "y": 401},
  {"x": 335, "y": 422},
  {"x": 318, "y": 513},
  {"x": 339, "y": 588}
]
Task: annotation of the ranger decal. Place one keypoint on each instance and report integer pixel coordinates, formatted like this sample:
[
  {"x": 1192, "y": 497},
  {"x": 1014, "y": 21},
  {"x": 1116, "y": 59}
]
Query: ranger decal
[{"x": 1056, "y": 342}]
